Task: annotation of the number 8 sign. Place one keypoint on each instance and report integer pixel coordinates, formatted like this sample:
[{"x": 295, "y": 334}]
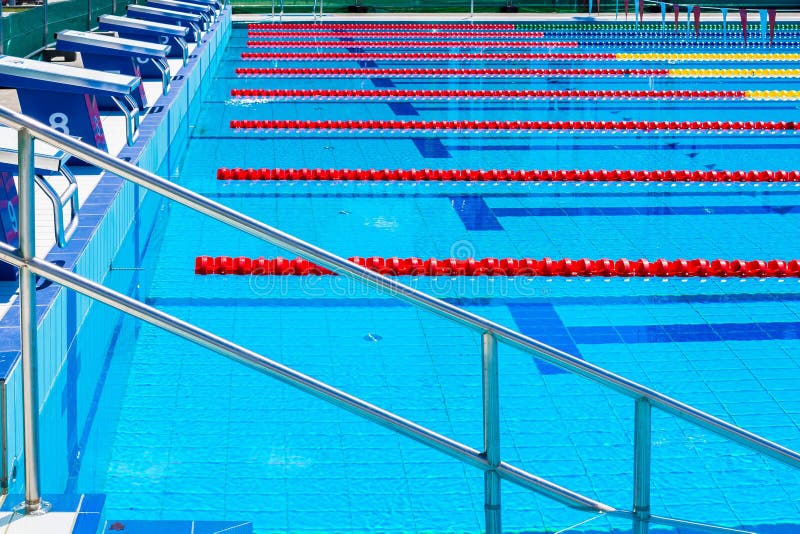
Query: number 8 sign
[{"x": 71, "y": 114}]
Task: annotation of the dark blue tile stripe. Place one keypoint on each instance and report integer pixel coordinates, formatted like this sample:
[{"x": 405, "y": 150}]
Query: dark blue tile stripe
[
  {"x": 693, "y": 145},
  {"x": 86, "y": 524},
  {"x": 684, "y": 333},
  {"x": 533, "y": 194},
  {"x": 431, "y": 148},
  {"x": 152, "y": 527},
  {"x": 540, "y": 321},
  {"x": 266, "y": 302},
  {"x": 143, "y": 526},
  {"x": 674, "y": 146},
  {"x": 618, "y": 211},
  {"x": 475, "y": 213},
  {"x": 403, "y": 109},
  {"x": 382, "y": 82},
  {"x": 567, "y": 105},
  {"x": 93, "y": 503},
  {"x": 221, "y": 527}
]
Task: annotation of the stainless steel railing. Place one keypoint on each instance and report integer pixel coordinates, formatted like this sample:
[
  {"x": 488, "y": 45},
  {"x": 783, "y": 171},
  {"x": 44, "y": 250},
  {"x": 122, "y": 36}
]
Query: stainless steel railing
[{"x": 488, "y": 460}]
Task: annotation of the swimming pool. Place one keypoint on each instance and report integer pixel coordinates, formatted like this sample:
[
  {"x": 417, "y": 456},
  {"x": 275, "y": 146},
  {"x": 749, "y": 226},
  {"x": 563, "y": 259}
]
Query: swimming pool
[{"x": 186, "y": 434}]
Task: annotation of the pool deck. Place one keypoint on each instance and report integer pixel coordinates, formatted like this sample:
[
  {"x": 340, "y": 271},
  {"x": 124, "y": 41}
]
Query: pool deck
[{"x": 54, "y": 522}]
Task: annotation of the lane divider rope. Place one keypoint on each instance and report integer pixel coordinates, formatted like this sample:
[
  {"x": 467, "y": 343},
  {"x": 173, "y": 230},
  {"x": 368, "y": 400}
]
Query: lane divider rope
[
  {"x": 461, "y": 94},
  {"x": 584, "y": 267},
  {"x": 448, "y": 73},
  {"x": 427, "y": 56},
  {"x": 518, "y": 56},
  {"x": 630, "y": 36},
  {"x": 434, "y": 42},
  {"x": 527, "y": 73},
  {"x": 509, "y": 175},
  {"x": 434, "y": 34},
  {"x": 396, "y": 26},
  {"x": 408, "y": 44},
  {"x": 516, "y": 126},
  {"x": 642, "y": 27},
  {"x": 705, "y": 33},
  {"x": 734, "y": 73},
  {"x": 710, "y": 56}
]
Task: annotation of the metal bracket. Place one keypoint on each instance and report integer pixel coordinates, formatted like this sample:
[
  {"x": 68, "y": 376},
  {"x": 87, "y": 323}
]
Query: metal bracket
[
  {"x": 196, "y": 29},
  {"x": 63, "y": 232},
  {"x": 163, "y": 67},
  {"x": 131, "y": 111}
]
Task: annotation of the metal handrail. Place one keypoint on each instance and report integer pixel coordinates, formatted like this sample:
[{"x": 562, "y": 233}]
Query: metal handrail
[
  {"x": 288, "y": 375},
  {"x": 394, "y": 288},
  {"x": 490, "y": 331}
]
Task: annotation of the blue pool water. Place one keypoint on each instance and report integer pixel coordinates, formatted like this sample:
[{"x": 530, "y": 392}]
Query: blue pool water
[{"x": 186, "y": 434}]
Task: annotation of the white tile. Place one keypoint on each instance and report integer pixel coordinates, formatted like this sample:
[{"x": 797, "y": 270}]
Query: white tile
[{"x": 52, "y": 523}]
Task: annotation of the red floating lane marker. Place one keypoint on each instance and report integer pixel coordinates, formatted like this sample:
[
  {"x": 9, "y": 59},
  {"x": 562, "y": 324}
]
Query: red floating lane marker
[
  {"x": 450, "y": 94},
  {"x": 422, "y": 72},
  {"x": 426, "y": 56},
  {"x": 584, "y": 267},
  {"x": 507, "y": 175},
  {"x": 360, "y": 26},
  {"x": 433, "y": 34},
  {"x": 515, "y": 126},
  {"x": 408, "y": 44}
]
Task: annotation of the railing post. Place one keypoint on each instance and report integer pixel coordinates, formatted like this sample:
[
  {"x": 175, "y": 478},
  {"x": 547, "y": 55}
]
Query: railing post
[
  {"x": 641, "y": 467},
  {"x": 27, "y": 320},
  {"x": 491, "y": 433},
  {"x": 45, "y": 30}
]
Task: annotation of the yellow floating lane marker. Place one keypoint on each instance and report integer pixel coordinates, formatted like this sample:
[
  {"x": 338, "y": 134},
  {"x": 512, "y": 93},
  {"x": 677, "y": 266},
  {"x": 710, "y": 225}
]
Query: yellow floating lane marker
[
  {"x": 734, "y": 73},
  {"x": 657, "y": 56},
  {"x": 772, "y": 95}
]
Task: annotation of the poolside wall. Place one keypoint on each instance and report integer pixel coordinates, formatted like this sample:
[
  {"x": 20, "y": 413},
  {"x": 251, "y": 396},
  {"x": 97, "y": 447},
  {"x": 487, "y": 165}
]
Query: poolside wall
[{"x": 75, "y": 336}]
